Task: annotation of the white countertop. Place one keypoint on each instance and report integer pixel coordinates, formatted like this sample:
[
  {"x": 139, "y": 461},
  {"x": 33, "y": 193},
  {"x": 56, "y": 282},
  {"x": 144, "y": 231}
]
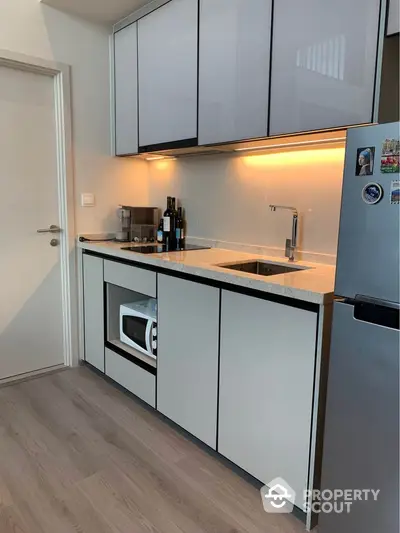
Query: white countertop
[{"x": 315, "y": 285}]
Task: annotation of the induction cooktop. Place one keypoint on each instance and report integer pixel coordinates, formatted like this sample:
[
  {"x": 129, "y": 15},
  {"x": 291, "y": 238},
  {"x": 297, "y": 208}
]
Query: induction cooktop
[{"x": 162, "y": 248}]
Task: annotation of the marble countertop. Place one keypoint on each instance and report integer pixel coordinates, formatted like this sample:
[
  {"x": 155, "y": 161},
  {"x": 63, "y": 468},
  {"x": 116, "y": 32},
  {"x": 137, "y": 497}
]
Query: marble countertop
[{"x": 315, "y": 284}]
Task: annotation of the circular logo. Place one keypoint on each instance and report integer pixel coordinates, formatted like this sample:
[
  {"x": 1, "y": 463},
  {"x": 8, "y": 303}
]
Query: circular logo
[{"x": 372, "y": 193}]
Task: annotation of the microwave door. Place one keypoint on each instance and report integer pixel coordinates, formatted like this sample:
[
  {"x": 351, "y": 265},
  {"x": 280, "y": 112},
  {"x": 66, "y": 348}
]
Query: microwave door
[
  {"x": 149, "y": 337},
  {"x": 135, "y": 329}
]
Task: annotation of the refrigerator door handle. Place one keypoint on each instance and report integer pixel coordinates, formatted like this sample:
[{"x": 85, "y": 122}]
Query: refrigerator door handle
[
  {"x": 377, "y": 312},
  {"x": 376, "y": 301}
]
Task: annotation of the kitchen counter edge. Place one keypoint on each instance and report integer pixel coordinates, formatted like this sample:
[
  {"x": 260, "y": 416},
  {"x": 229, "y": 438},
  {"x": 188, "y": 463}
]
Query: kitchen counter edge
[{"x": 317, "y": 287}]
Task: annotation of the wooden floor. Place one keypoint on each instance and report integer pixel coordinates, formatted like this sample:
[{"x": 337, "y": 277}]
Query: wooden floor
[{"x": 78, "y": 455}]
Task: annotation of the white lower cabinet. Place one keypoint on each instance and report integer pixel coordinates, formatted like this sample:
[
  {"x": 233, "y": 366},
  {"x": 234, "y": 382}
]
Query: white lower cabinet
[
  {"x": 93, "y": 307},
  {"x": 132, "y": 377},
  {"x": 130, "y": 277},
  {"x": 266, "y": 388},
  {"x": 187, "y": 361},
  {"x": 260, "y": 413}
]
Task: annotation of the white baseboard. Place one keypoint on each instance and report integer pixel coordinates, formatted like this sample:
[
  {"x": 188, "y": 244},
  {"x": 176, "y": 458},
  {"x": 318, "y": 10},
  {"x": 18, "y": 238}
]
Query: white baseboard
[{"x": 29, "y": 375}]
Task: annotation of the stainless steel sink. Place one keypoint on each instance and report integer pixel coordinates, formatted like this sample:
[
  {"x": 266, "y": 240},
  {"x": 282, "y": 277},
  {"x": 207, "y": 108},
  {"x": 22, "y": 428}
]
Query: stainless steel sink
[{"x": 262, "y": 268}]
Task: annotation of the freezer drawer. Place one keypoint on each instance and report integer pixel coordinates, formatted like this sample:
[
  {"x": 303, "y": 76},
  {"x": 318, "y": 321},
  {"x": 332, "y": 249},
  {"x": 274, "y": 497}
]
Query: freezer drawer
[{"x": 361, "y": 445}]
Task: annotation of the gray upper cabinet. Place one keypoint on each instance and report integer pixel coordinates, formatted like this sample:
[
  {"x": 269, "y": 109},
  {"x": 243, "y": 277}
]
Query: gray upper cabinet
[
  {"x": 393, "y": 19},
  {"x": 323, "y": 64},
  {"x": 267, "y": 365},
  {"x": 126, "y": 91},
  {"x": 93, "y": 283},
  {"x": 167, "y": 41},
  {"x": 187, "y": 360},
  {"x": 234, "y": 61},
  {"x": 203, "y": 71}
]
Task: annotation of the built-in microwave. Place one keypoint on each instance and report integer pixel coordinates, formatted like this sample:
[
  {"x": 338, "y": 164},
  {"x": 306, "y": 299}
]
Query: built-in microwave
[{"x": 138, "y": 326}]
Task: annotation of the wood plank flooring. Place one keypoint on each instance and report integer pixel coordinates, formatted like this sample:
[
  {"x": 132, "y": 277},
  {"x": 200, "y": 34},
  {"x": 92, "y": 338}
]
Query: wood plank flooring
[{"x": 77, "y": 455}]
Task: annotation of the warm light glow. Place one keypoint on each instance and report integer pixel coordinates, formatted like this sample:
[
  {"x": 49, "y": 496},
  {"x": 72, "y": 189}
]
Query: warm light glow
[
  {"x": 162, "y": 165},
  {"x": 291, "y": 144},
  {"x": 155, "y": 157},
  {"x": 300, "y": 157}
]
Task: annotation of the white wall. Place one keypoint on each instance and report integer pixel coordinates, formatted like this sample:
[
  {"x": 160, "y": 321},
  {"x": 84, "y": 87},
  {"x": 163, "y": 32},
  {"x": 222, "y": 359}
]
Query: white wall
[
  {"x": 28, "y": 27},
  {"x": 227, "y": 197}
]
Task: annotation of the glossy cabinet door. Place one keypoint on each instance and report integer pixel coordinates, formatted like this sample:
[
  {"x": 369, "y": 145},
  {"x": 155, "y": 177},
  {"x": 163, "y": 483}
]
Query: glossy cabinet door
[
  {"x": 167, "y": 40},
  {"x": 393, "y": 19},
  {"x": 93, "y": 294},
  {"x": 323, "y": 64},
  {"x": 126, "y": 91},
  {"x": 234, "y": 61},
  {"x": 131, "y": 377},
  {"x": 266, "y": 388},
  {"x": 187, "y": 358}
]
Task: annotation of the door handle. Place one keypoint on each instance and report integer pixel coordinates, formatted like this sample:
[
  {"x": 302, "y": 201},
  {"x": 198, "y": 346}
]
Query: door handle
[{"x": 51, "y": 229}]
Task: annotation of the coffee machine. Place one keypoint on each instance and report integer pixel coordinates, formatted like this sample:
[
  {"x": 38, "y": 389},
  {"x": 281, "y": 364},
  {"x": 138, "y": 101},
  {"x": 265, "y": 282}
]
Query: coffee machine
[
  {"x": 124, "y": 215},
  {"x": 137, "y": 224}
]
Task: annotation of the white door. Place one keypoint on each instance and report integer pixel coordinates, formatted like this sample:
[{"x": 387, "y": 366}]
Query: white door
[{"x": 31, "y": 311}]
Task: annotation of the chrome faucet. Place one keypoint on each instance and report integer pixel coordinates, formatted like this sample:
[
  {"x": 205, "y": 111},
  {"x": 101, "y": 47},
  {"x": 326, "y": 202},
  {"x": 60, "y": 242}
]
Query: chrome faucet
[{"x": 291, "y": 244}]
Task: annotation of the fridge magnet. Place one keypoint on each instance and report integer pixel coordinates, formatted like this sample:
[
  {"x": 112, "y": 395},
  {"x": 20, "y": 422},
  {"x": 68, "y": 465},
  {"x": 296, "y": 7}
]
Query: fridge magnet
[
  {"x": 365, "y": 161},
  {"x": 372, "y": 193},
  {"x": 395, "y": 192},
  {"x": 390, "y": 156}
]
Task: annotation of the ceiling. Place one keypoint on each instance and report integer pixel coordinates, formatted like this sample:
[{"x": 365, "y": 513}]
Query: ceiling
[{"x": 100, "y": 11}]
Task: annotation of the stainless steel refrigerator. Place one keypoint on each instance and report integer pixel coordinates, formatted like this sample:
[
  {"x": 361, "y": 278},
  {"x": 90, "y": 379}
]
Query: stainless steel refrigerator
[{"x": 361, "y": 441}]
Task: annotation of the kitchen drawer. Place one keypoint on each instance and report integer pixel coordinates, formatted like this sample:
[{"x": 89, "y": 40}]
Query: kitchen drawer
[
  {"x": 132, "y": 377},
  {"x": 130, "y": 277}
]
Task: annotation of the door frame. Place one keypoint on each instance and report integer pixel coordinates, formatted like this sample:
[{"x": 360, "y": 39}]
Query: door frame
[{"x": 60, "y": 73}]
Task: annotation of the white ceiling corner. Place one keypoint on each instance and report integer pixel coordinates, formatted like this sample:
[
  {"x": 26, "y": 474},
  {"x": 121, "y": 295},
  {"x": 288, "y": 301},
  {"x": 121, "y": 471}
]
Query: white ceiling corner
[{"x": 99, "y": 11}]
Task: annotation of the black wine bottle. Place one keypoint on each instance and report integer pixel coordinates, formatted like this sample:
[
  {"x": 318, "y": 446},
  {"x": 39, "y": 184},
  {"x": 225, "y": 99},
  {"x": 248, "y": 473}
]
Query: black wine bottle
[
  {"x": 173, "y": 217},
  {"x": 167, "y": 222},
  {"x": 160, "y": 232},
  {"x": 180, "y": 229}
]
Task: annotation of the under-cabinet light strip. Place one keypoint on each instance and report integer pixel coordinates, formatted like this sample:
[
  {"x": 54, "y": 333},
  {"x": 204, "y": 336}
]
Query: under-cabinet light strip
[
  {"x": 290, "y": 145},
  {"x": 265, "y": 147},
  {"x": 154, "y": 157},
  {"x": 159, "y": 157}
]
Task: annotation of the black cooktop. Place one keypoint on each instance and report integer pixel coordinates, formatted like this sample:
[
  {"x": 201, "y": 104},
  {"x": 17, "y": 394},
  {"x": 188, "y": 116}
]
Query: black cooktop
[{"x": 162, "y": 248}]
